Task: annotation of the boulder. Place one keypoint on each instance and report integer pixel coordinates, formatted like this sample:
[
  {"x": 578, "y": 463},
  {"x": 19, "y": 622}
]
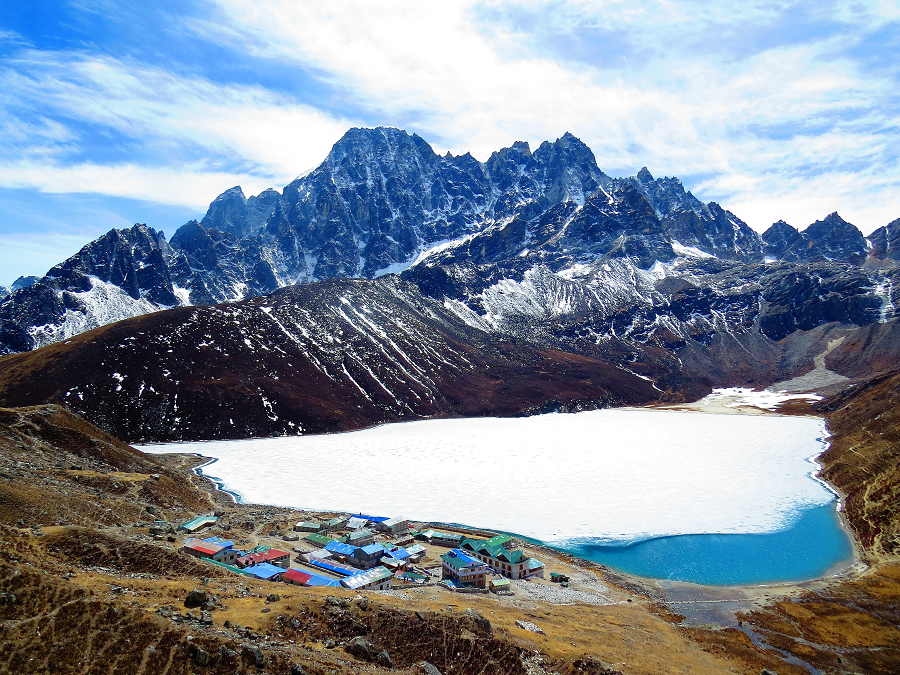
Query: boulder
[
  {"x": 361, "y": 648},
  {"x": 480, "y": 620},
  {"x": 253, "y": 654},
  {"x": 201, "y": 657},
  {"x": 384, "y": 659},
  {"x": 196, "y": 598}
]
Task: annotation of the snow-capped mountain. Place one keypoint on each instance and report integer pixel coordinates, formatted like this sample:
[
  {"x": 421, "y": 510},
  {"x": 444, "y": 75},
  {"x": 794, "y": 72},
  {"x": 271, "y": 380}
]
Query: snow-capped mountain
[{"x": 542, "y": 245}]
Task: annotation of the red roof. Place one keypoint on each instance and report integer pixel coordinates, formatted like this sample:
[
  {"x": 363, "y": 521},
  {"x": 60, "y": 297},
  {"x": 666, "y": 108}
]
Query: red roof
[
  {"x": 203, "y": 546},
  {"x": 256, "y": 558},
  {"x": 296, "y": 575}
]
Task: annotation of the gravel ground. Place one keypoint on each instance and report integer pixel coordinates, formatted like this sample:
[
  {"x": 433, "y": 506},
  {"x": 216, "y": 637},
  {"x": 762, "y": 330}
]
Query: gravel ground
[{"x": 558, "y": 595}]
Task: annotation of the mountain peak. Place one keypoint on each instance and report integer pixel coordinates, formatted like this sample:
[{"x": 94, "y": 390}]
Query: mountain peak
[{"x": 645, "y": 176}]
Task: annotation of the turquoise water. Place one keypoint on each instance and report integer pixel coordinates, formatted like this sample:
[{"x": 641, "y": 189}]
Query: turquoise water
[{"x": 815, "y": 543}]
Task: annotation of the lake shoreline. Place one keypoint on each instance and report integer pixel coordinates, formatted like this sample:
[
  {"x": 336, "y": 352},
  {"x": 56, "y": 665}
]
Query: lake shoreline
[{"x": 666, "y": 590}]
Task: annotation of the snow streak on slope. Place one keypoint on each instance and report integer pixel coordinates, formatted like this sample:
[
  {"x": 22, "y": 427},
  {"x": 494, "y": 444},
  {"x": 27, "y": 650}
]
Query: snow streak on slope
[{"x": 611, "y": 476}]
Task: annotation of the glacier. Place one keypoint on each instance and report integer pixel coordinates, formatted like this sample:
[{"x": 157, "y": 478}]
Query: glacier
[{"x": 608, "y": 476}]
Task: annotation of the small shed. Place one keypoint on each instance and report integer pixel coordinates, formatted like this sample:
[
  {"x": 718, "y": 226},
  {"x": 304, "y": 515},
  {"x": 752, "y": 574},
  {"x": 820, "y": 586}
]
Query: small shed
[
  {"x": 198, "y": 523},
  {"x": 367, "y": 557},
  {"x": 339, "y": 550},
  {"x": 501, "y": 584},
  {"x": 393, "y": 525},
  {"x": 535, "y": 568},
  {"x": 393, "y": 564},
  {"x": 272, "y": 556},
  {"x": 336, "y": 523},
  {"x": 416, "y": 552},
  {"x": 361, "y": 537},
  {"x": 318, "y": 540},
  {"x": 210, "y": 550},
  {"x": 556, "y": 577}
]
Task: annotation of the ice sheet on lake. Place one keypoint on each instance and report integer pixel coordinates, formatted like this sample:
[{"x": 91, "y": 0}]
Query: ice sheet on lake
[{"x": 613, "y": 475}]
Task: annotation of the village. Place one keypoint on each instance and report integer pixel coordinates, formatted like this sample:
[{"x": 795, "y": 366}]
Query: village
[{"x": 362, "y": 552}]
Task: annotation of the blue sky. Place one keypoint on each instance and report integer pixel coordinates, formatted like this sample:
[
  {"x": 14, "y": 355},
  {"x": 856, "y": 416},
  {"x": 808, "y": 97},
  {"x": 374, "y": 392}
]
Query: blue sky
[{"x": 115, "y": 112}]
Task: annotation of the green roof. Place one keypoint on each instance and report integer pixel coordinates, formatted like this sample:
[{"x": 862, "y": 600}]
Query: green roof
[
  {"x": 316, "y": 538},
  {"x": 499, "y": 539},
  {"x": 196, "y": 523},
  {"x": 454, "y": 562},
  {"x": 458, "y": 563},
  {"x": 232, "y": 568},
  {"x": 499, "y": 582},
  {"x": 492, "y": 549},
  {"x": 428, "y": 534}
]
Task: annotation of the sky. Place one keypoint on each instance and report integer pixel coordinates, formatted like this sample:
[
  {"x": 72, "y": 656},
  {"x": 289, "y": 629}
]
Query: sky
[{"x": 114, "y": 112}]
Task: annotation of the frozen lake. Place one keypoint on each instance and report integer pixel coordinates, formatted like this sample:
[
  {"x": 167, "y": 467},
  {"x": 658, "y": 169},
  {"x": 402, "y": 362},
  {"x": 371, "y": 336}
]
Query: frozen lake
[
  {"x": 573, "y": 481},
  {"x": 630, "y": 488}
]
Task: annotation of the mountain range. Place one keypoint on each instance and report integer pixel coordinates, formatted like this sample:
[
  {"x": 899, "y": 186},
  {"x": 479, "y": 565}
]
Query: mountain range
[{"x": 394, "y": 283}]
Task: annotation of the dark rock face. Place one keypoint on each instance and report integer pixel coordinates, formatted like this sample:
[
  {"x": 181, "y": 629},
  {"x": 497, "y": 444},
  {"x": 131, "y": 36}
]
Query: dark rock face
[
  {"x": 784, "y": 242},
  {"x": 690, "y": 222},
  {"x": 886, "y": 241},
  {"x": 834, "y": 239},
  {"x": 830, "y": 240},
  {"x": 123, "y": 273}
]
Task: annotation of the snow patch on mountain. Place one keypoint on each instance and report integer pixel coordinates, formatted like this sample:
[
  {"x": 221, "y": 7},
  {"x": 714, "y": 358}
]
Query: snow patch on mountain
[{"x": 103, "y": 304}]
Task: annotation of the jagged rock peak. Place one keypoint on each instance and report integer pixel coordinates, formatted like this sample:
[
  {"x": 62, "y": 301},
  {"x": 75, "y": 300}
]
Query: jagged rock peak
[
  {"x": 835, "y": 239},
  {"x": 645, "y": 176},
  {"x": 885, "y": 241}
]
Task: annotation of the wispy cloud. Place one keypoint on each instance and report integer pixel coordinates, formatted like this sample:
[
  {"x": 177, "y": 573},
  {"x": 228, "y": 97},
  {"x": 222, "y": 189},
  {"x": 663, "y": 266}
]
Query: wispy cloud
[
  {"x": 777, "y": 110},
  {"x": 158, "y": 126},
  {"x": 755, "y": 114}
]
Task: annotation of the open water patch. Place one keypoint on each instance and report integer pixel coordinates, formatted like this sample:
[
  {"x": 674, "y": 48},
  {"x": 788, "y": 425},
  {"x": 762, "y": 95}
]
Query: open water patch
[
  {"x": 658, "y": 493},
  {"x": 807, "y": 549}
]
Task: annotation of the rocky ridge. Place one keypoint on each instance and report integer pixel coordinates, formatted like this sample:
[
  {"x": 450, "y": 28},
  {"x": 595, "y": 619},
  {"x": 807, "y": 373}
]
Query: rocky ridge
[{"x": 383, "y": 201}]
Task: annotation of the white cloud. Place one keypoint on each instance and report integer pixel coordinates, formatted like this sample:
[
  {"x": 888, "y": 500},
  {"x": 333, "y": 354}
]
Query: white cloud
[
  {"x": 782, "y": 111},
  {"x": 792, "y": 131},
  {"x": 201, "y": 131},
  {"x": 180, "y": 185}
]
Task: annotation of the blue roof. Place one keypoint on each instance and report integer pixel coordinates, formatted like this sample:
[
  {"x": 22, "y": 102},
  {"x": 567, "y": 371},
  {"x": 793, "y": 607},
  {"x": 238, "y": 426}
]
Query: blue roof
[
  {"x": 319, "y": 580},
  {"x": 372, "y": 548},
  {"x": 338, "y": 547},
  {"x": 224, "y": 543},
  {"x": 374, "y": 519},
  {"x": 462, "y": 555},
  {"x": 263, "y": 570},
  {"x": 337, "y": 568},
  {"x": 399, "y": 553}
]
